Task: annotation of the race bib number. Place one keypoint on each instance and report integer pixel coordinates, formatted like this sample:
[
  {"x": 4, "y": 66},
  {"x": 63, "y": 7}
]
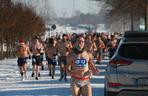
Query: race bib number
[{"x": 80, "y": 62}]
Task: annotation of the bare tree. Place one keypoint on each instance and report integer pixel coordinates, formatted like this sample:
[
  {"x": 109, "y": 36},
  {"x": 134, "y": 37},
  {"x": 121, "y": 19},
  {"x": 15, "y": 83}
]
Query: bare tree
[{"x": 17, "y": 21}]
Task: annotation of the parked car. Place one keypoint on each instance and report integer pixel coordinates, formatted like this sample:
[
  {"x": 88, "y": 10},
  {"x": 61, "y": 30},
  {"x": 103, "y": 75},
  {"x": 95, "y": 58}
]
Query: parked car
[{"x": 127, "y": 70}]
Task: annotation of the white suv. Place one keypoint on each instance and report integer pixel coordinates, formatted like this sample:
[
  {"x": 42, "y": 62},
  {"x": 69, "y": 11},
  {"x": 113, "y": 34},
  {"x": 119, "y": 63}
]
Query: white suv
[{"x": 127, "y": 71}]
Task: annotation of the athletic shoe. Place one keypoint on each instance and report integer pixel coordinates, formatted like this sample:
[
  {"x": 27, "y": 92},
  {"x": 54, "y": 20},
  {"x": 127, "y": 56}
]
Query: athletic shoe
[
  {"x": 42, "y": 67},
  {"x": 60, "y": 78},
  {"x": 65, "y": 79},
  {"x": 32, "y": 75},
  {"x": 52, "y": 77},
  {"x": 36, "y": 78},
  {"x": 39, "y": 74},
  {"x": 49, "y": 73}
]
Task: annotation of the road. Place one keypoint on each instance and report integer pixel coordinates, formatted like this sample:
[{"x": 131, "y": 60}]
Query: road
[{"x": 10, "y": 83}]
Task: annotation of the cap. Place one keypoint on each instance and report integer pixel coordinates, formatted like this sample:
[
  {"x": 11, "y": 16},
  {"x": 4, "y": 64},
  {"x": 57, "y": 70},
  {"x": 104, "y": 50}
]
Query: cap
[{"x": 21, "y": 40}]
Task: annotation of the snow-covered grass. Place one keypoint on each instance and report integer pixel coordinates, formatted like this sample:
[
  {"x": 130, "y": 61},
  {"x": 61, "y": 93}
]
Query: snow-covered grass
[{"x": 11, "y": 84}]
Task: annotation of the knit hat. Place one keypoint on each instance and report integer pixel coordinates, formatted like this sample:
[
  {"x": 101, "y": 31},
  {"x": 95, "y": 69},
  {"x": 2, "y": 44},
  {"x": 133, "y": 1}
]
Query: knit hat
[{"x": 21, "y": 40}]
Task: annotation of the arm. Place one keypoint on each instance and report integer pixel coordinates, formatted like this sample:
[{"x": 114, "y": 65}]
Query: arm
[
  {"x": 29, "y": 52},
  {"x": 69, "y": 66},
  {"x": 92, "y": 66},
  {"x": 17, "y": 51},
  {"x": 68, "y": 48},
  {"x": 93, "y": 47}
]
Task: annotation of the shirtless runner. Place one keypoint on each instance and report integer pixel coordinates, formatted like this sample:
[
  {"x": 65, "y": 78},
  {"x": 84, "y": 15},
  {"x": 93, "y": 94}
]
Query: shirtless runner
[
  {"x": 64, "y": 47},
  {"x": 80, "y": 67},
  {"x": 36, "y": 58},
  {"x": 23, "y": 53},
  {"x": 51, "y": 53}
]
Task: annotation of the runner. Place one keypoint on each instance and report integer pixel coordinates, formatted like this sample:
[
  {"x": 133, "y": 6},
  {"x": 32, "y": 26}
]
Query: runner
[
  {"x": 100, "y": 46},
  {"x": 23, "y": 54},
  {"x": 51, "y": 53},
  {"x": 80, "y": 67},
  {"x": 113, "y": 46},
  {"x": 64, "y": 46},
  {"x": 36, "y": 59},
  {"x": 42, "y": 53},
  {"x": 91, "y": 46}
]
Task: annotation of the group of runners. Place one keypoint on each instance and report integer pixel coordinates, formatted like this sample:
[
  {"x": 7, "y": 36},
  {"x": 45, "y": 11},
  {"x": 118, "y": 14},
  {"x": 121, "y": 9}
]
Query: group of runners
[{"x": 75, "y": 55}]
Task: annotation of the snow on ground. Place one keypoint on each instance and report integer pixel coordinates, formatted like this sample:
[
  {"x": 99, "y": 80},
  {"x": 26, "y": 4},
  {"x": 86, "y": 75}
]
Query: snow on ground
[{"x": 11, "y": 84}]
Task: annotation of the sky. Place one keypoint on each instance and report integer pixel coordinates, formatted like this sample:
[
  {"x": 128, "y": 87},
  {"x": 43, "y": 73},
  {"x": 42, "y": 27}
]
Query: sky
[{"x": 66, "y": 8}]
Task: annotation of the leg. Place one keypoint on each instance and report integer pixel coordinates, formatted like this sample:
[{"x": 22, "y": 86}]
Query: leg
[
  {"x": 33, "y": 65},
  {"x": 21, "y": 69},
  {"x": 49, "y": 65},
  {"x": 53, "y": 71},
  {"x": 64, "y": 69},
  {"x": 33, "y": 69},
  {"x": 21, "y": 72},
  {"x": 101, "y": 55},
  {"x": 75, "y": 90},
  {"x": 98, "y": 56},
  {"x": 25, "y": 70},
  {"x": 38, "y": 65},
  {"x": 49, "y": 68},
  {"x": 42, "y": 57},
  {"x": 61, "y": 71},
  {"x": 65, "y": 73},
  {"x": 37, "y": 71},
  {"x": 87, "y": 90}
]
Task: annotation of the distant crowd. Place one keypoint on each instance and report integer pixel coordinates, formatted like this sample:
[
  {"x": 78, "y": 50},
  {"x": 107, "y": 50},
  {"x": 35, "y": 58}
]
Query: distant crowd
[{"x": 56, "y": 50}]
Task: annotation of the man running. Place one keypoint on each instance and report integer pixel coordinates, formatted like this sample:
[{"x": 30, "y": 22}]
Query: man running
[
  {"x": 89, "y": 42},
  {"x": 36, "y": 50},
  {"x": 23, "y": 53},
  {"x": 64, "y": 46},
  {"x": 51, "y": 53},
  {"x": 80, "y": 67},
  {"x": 100, "y": 46}
]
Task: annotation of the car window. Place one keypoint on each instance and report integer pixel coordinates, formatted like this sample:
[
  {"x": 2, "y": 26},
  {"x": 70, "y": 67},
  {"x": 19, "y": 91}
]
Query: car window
[{"x": 134, "y": 51}]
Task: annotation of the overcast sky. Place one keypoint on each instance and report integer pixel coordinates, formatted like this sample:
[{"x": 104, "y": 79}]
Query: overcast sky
[{"x": 66, "y": 8}]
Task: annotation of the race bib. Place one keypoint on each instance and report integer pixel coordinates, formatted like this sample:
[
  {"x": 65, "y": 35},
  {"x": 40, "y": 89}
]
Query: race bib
[{"x": 80, "y": 62}]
